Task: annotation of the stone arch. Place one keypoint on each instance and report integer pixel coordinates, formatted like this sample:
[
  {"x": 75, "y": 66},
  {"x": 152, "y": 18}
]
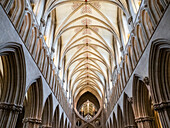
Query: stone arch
[
  {"x": 114, "y": 121},
  {"x": 37, "y": 53},
  {"x": 128, "y": 113},
  {"x": 56, "y": 118},
  {"x": 128, "y": 67},
  {"x": 31, "y": 44},
  {"x": 123, "y": 79},
  {"x": 12, "y": 86},
  {"x": 159, "y": 79},
  {"x": 120, "y": 119},
  {"x": 142, "y": 41},
  {"x": 129, "y": 64},
  {"x": 142, "y": 104},
  {"x": 124, "y": 27},
  {"x": 65, "y": 123},
  {"x": 26, "y": 26},
  {"x": 156, "y": 8},
  {"x": 31, "y": 116},
  {"x": 107, "y": 125},
  {"x": 111, "y": 124},
  {"x": 62, "y": 121},
  {"x": 47, "y": 112},
  {"x": 16, "y": 11},
  {"x": 41, "y": 58},
  {"x": 136, "y": 49},
  {"x": 125, "y": 72},
  {"x": 147, "y": 24},
  {"x": 45, "y": 64},
  {"x": 132, "y": 58}
]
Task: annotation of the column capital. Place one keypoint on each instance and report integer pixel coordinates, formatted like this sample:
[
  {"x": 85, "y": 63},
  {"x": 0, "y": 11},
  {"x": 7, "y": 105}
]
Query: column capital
[
  {"x": 130, "y": 99},
  {"x": 32, "y": 120},
  {"x": 143, "y": 119},
  {"x": 11, "y": 106},
  {"x": 161, "y": 105},
  {"x": 146, "y": 80}
]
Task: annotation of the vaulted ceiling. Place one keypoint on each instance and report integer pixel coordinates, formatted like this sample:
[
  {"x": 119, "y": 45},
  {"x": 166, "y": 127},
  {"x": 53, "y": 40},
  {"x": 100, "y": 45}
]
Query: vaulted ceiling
[{"x": 87, "y": 43}]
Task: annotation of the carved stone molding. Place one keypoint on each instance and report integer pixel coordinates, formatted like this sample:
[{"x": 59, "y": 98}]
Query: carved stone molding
[
  {"x": 32, "y": 120},
  {"x": 162, "y": 105},
  {"x": 146, "y": 80},
  {"x": 143, "y": 119},
  {"x": 130, "y": 99},
  {"x": 130, "y": 19},
  {"x": 43, "y": 22},
  {"x": 10, "y": 107}
]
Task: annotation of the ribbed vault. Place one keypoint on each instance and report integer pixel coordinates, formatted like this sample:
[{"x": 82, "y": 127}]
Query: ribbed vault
[{"x": 87, "y": 45}]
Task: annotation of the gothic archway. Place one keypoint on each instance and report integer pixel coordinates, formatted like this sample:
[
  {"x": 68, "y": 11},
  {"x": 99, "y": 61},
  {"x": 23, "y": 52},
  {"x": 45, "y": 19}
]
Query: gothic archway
[
  {"x": 128, "y": 113},
  {"x": 159, "y": 72},
  {"x": 120, "y": 117},
  {"x": 145, "y": 116},
  {"x": 47, "y": 112},
  {"x": 56, "y": 117},
  {"x": 12, "y": 84},
  {"x": 31, "y": 115},
  {"x": 114, "y": 121},
  {"x": 62, "y": 121}
]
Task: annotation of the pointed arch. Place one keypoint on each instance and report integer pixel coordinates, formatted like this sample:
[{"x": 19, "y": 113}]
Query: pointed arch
[
  {"x": 12, "y": 86},
  {"x": 47, "y": 112},
  {"x": 120, "y": 119},
  {"x": 144, "y": 114},
  {"x": 56, "y": 117},
  {"x": 128, "y": 112},
  {"x": 159, "y": 78},
  {"x": 114, "y": 121},
  {"x": 62, "y": 121},
  {"x": 32, "y": 105}
]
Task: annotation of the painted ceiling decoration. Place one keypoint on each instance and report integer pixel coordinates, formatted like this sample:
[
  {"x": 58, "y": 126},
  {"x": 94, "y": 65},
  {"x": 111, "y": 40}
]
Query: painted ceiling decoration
[{"x": 87, "y": 46}]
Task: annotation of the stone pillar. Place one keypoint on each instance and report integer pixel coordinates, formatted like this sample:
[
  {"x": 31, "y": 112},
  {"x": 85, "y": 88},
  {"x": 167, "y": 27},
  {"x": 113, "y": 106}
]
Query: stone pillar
[
  {"x": 144, "y": 122},
  {"x": 31, "y": 122},
  {"x": 9, "y": 114},
  {"x": 163, "y": 109}
]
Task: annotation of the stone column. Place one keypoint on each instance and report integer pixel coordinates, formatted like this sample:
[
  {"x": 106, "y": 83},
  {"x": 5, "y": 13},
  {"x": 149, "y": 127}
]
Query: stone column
[
  {"x": 163, "y": 109},
  {"x": 31, "y": 122},
  {"x": 9, "y": 114}
]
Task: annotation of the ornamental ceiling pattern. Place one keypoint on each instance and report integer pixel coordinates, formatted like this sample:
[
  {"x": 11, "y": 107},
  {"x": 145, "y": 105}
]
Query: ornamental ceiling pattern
[{"x": 87, "y": 42}]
